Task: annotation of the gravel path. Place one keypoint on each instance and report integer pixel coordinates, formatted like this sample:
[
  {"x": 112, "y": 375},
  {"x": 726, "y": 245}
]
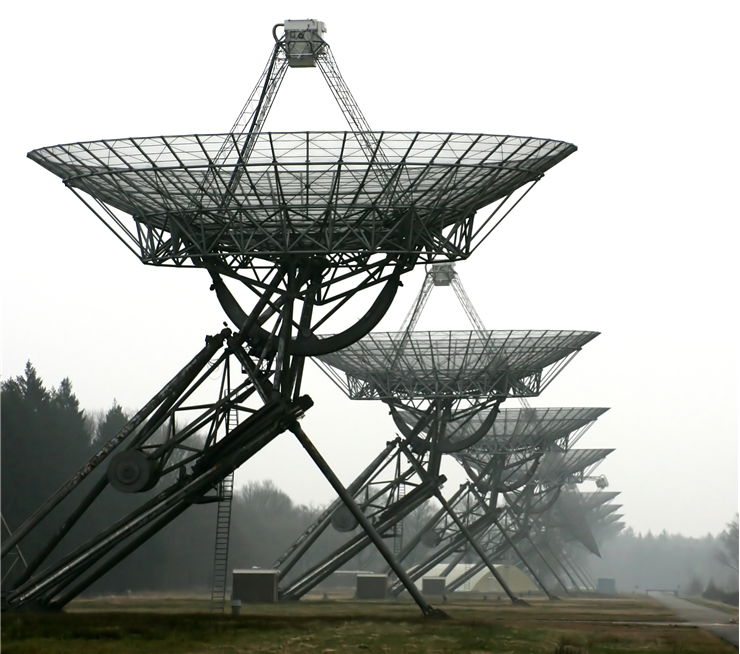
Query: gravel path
[{"x": 711, "y": 620}]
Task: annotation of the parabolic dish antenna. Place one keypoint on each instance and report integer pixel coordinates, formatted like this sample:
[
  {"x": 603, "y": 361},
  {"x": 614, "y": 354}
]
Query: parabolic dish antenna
[
  {"x": 386, "y": 365},
  {"x": 178, "y": 200},
  {"x": 557, "y": 467},
  {"x": 523, "y": 428}
]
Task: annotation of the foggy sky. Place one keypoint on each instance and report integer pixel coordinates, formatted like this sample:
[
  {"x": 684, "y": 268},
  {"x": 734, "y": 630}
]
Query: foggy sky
[{"x": 634, "y": 235}]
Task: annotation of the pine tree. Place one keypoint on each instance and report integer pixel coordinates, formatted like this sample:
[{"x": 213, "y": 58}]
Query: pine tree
[
  {"x": 45, "y": 439},
  {"x": 32, "y": 388},
  {"x": 113, "y": 422}
]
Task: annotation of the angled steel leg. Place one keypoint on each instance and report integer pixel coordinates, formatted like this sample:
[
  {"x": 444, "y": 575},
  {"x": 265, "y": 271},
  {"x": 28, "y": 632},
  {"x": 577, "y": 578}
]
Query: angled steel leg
[
  {"x": 55, "y": 586},
  {"x": 556, "y": 560},
  {"x": 427, "y": 609},
  {"x": 433, "y": 559},
  {"x": 543, "y": 558},
  {"x": 578, "y": 571},
  {"x": 479, "y": 551},
  {"x": 186, "y": 478},
  {"x": 169, "y": 392},
  {"x": 512, "y": 545},
  {"x": 468, "y": 535},
  {"x": 380, "y": 492},
  {"x": 304, "y": 542},
  {"x": 523, "y": 559},
  {"x": 387, "y": 521},
  {"x": 16, "y": 559}
]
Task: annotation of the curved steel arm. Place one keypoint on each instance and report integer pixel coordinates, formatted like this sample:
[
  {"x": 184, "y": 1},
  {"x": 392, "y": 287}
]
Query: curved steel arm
[
  {"x": 502, "y": 487},
  {"x": 448, "y": 446},
  {"x": 534, "y": 503},
  {"x": 312, "y": 345},
  {"x": 411, "y": 434},
  {"x": 445, "y": 446}
]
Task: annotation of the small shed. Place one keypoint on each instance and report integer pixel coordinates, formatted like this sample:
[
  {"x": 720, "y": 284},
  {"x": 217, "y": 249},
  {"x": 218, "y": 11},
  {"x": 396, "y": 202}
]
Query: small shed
[
  {"x": 254, "y": 585},
  {"x": 371, "y": 586}
]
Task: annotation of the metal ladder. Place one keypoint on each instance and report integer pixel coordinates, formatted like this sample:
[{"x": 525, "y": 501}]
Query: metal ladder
[
  {"x": 221, "y": 548},
  {"x": 398, "y": 527},
  {"x": 398, "y": 535},
  {"x": 346, "y": 101},
  {"x": 223, "y": 532}
]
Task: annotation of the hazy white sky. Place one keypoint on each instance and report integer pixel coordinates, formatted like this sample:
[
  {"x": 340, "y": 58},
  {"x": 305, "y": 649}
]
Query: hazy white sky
[{"x": 635, "y": 235}]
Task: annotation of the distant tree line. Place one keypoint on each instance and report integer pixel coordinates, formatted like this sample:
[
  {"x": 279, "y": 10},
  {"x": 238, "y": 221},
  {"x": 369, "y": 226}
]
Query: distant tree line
[
  {"x": 46, "y": 438},
  {"x": 695, "y": 566}
]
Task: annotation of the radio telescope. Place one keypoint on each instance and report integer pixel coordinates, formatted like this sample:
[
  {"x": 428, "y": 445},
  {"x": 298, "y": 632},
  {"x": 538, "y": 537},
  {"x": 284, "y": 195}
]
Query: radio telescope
[
  {"x": 504, "y": 526},
  {"x": 443, "y": 389},
  {"x": 299, "y": 223},
  {"x": 504, "y": 460}
]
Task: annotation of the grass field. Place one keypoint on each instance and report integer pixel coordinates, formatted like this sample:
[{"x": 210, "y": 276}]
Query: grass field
[{"x": 183, "y": 626}]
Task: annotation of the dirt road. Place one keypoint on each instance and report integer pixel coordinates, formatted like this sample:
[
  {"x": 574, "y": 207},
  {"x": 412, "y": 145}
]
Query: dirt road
[{"x": 711, "y": 620}]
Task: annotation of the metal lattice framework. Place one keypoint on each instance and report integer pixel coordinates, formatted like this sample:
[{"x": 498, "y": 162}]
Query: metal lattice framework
[
  {"x": 571, "y": 465},
  {"x": 595, "y": 499},
  {"x": 429, "y": 364},
  {"x": 304, "y": 221},
  {"x": 430, "y": 423},
  {"x": 527, "y": 426},
  {"x": 395, "y": 484},
  {"x": 574, "y": 507},
  {"x": 526, "y": 429},
  {"x": 172, "y": 200},
  {"x": 604, "y": 510},
  {"x": 576, "y": 522},
  {"x": 555, "y": 504},
  {"x": 505, "y": 459},
  {"x": 511, "y": 454},
  {"x": 524, "y": 512},
  {"x": 444, "y": 390},
  {"x": 569, "y": 515}
]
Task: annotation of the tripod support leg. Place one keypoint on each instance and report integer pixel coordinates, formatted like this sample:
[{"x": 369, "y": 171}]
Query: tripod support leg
[
  {"x": 547, "y": 564},
  {"x": 468, "y": 535},
  {"x": 427, "y": 609},
  {"x": 173, "y": 388},
  {"x": 556, "y": 560},
  {"x": 517, "y": 551},
  {"x": 518, "y": 601}
]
